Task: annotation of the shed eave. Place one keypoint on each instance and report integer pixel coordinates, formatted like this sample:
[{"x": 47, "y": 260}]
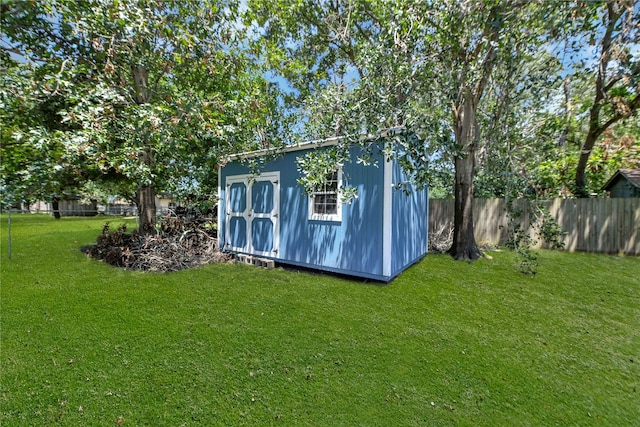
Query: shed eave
[
  {"x": 288, "y": 149},
  {"x": 308, "y": 145}
]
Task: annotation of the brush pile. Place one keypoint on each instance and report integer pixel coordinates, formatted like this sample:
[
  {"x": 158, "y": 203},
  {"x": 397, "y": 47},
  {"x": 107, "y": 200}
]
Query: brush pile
[
  {"x": 441, "y": 239},
  {"x": 181, "y": 242}
]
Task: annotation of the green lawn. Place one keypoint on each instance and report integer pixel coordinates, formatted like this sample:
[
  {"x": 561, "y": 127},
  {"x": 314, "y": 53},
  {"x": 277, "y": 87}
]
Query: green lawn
[{"x": 447, "y": 343}]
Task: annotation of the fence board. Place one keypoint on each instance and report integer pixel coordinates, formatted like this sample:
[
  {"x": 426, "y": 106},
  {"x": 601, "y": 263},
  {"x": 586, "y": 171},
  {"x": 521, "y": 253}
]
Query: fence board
[
  {"x": 592, "y": 225},
  {"x": 614, "y": 224},
  {"x": 633, "y": 242}
]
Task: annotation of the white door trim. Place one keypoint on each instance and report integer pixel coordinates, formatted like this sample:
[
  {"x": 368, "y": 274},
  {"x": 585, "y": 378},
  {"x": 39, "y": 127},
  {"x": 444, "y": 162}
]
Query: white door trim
[{"x": 248, "y": 214}]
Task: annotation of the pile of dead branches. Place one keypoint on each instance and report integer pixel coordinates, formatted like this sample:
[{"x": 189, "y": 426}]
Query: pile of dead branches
[
  {"x": 441, "y": 239},
  {"x": 180, "y": 243}
]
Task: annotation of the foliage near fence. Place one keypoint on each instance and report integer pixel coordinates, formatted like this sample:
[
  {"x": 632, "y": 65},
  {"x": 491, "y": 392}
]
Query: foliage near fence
[{"x": 592, "y": 225}]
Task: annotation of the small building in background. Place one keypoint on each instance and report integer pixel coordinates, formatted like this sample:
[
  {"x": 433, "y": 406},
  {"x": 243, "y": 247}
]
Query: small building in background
[
  {"x": 165, "y": 202},
  {"x": 268, "y": 214},
  {"x": 624, "y": 183},
  {"x": 76, "y": 206}
]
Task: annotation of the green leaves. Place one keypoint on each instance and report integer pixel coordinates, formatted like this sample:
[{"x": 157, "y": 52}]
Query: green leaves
[{"x": 118, "y": 79}]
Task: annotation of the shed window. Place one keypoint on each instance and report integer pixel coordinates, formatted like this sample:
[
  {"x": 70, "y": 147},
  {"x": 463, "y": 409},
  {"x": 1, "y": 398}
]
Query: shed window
[{"x": 324, "y": 202}]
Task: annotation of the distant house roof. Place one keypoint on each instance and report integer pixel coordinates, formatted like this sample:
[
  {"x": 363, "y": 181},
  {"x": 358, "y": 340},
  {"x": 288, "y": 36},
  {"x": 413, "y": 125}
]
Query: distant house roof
[{"x": 631, "y": 175}]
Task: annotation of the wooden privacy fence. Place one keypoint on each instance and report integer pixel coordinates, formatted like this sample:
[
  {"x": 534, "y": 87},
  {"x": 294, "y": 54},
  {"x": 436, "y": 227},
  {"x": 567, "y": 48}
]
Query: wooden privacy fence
[{"x": 592, "y": 225}]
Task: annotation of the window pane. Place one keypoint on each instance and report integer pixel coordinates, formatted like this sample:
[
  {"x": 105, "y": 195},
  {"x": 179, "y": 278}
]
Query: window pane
[
  {"x": 332, "y": 182},
  {"x": 325, "y": 198}
]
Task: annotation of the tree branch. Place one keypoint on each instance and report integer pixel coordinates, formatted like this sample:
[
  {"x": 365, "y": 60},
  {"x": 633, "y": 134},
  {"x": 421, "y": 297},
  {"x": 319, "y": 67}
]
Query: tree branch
[
  {"x": 343, "y": 44},
  {"x": 490, "y": 58},
  {"x": 633, "y": 106},
  {"x": 612, "y": 83},
  {"x": 165, "y": 69},
  {"x": 487, "y": 67},
  {"x": 605, "y": 56}
]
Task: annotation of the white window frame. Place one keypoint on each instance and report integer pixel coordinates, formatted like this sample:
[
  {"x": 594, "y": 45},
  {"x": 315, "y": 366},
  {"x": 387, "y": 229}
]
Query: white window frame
[{"x": 335, "y": 217}]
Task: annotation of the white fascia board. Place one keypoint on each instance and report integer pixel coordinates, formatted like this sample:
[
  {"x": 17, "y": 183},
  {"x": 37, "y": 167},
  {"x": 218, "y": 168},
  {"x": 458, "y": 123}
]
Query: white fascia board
[
  {"x": 387, "y": 216},
  {"x": 220, "y": 202},
  {"x": 289, "y": 148}
]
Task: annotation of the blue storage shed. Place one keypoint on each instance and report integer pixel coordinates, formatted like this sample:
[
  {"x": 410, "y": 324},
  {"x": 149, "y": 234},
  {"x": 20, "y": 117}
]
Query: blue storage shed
[{"x": 376, "y": 235}]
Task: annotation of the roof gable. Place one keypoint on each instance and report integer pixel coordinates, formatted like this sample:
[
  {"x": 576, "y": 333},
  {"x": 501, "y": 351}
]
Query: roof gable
[{"x": 631, "y": 175}]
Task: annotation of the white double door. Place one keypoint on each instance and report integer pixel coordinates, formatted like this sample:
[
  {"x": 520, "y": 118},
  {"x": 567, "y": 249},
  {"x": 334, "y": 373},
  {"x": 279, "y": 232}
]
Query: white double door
[{"x": 252, "y": 223}]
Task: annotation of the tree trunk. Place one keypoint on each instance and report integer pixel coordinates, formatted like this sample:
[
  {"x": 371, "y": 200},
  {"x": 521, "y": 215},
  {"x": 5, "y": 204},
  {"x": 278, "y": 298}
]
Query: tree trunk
[
  {"x": 140, "y": 84},
  {"x": 464, "y": 243},
  {"x": 601, "y": 94},
  {"x": 146, "y": 194},
  {"x": 55, "y": 205},
  {"x": 146, "y": 201},
  {"x": 585, "y": 153}
]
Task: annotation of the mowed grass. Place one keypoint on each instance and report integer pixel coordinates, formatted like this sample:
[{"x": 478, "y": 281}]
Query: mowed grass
[{"x": 446, "y": 343}]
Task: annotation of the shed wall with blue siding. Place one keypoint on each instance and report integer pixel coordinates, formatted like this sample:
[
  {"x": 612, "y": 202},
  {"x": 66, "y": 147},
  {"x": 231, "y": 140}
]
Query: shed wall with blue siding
[{"x": 381, "y": 232}]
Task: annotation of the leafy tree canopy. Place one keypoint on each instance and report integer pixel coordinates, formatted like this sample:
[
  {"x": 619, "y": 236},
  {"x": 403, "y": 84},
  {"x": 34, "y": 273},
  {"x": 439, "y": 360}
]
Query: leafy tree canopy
[
  {"x": 363, "y": 66},
  {"x": 152, "y": 93}
]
